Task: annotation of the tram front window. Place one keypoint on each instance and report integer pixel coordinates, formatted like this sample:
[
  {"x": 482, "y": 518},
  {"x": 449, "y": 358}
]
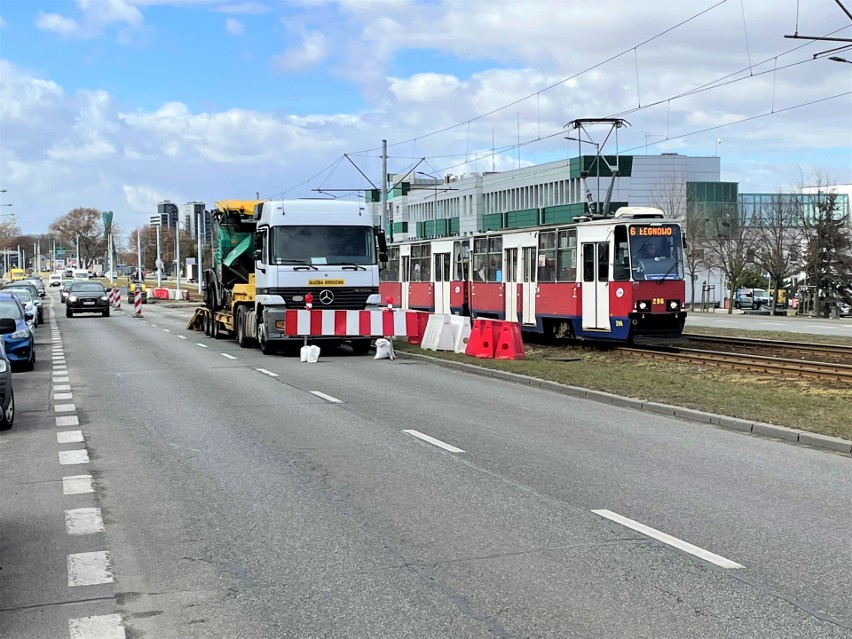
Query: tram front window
[{"x": 656, "y": 252}]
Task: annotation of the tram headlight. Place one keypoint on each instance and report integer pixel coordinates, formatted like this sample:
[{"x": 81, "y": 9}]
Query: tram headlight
[
  {"x": 644, "y": 306},
  {"x": 674, "y": 305}
]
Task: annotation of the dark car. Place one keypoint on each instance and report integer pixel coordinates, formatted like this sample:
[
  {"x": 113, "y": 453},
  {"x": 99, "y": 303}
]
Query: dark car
[
  {"x": 33, "y": 292},
  {"x": 85, "y": 296},
  {"x": 18, "y": 345},
  {"x": 7, "y": 394},
  {"x": 63, "y": 290},
  {"x": 39, "y": 284}
]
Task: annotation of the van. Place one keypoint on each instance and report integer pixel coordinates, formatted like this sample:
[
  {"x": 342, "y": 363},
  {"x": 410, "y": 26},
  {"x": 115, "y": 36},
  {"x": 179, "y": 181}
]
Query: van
[
  {"x": 81, "y": 274},
  {"x": 17, "y": 274}
]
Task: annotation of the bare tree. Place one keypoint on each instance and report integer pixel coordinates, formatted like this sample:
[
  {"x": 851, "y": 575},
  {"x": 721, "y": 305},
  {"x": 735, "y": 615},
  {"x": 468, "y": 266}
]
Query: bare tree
[
  {"x": 730, "y": 245},
  {"x": 84, "y": 224},
  {"x": 778, "y": 240}
]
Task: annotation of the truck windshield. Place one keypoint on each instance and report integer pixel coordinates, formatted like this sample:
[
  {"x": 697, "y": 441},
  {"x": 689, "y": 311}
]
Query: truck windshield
[
  {"x": 318, "y": 245},
  {"x": 656, "y": 252}
]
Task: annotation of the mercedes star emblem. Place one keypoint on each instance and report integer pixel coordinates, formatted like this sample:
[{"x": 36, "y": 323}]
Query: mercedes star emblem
[{"x": 326, "y": 297}]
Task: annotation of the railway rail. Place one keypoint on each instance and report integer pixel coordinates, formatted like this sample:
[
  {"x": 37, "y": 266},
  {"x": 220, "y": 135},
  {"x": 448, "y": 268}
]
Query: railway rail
[
  {"x": 787, "y": 367},
  {"x": 834, "y": 353}
]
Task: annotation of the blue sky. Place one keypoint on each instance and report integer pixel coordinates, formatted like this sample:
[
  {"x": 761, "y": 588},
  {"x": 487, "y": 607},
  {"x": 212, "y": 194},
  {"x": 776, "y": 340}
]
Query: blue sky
[{"x": 118, "y": 104}]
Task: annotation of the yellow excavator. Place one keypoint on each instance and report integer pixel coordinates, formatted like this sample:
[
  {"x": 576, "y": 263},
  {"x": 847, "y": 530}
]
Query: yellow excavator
[{"x": 135, "y": 280}]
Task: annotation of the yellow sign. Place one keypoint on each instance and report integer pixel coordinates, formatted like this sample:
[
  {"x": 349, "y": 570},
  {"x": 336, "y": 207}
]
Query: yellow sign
[{"x": 326, "y": 282}]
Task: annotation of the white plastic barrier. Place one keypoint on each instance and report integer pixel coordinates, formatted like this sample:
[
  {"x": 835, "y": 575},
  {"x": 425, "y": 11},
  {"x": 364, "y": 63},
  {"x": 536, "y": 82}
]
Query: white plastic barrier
[
  {"x": 461, "y": 332},
  {"x": 438, "y": 335}
]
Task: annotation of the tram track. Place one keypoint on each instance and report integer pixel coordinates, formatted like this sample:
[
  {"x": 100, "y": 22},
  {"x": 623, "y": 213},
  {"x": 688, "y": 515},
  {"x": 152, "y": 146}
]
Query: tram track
[
  {"x": 788, "y": 367},
  {"x": 833, "y": 353}
]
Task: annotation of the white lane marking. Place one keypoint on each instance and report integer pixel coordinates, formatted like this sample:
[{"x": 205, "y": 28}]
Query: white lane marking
[
  {"x": 67, "y": 457},
  {"x": 327, "y": 398},
  {"x": 62, "y": 396},
  {"x": 84, "y": 521},
  {"x": 433, "y": 441},
  {"x": 167, "y": 330},
  {"x": 154, "y": 325},
  {"x": 706, "y": 555},
  {"x": 67, "y": 420},
  {"x": 61, "y": 378},
  {"x": 89, "y": 569},
  {"x": 77, "y": 485},
  {"x": 181, "y": 336},
  {"x": 61, "y": 387},
  {"x": 60, "y": 367},
  {"x": 266, "y": 372},
  {"x": 69, "y": 437},
  {"x": 97, "y": 627},
  {"x": 201, "y": 345},
  {"x": 64, "y": 408},
  {"x": 227, "y": 355}
]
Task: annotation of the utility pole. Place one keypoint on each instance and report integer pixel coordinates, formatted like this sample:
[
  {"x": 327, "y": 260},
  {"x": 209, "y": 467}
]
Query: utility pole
[
  {"x": 110, "y": 264},
  {"x": 177, "y": 258},
  {"x": 159, "y": 261},
  {"x": 385, "y": 186},
  {"x": 139, "y": 258},
  {"x": 198, "y": 224},
  {"x": 78, "y": 251}
]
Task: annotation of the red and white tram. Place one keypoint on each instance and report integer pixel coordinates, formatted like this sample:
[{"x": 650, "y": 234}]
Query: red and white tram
[{"x": 611, "y": 279}]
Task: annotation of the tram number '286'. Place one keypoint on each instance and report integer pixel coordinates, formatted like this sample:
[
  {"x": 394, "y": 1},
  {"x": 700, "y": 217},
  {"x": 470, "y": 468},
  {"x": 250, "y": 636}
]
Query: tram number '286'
[{"x": 658, "y": 300}]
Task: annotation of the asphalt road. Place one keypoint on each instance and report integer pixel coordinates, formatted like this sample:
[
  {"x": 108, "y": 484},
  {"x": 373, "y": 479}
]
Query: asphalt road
[
  {"x": 795, "y": 324},
  {"x": 294, "y": 502}
]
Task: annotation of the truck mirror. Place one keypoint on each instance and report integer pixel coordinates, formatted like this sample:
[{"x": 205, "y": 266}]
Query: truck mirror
[
  {"x": 383, "y": 245},
  {"x": 383, "y": 257},
  {"x": 258, "y": 241}
]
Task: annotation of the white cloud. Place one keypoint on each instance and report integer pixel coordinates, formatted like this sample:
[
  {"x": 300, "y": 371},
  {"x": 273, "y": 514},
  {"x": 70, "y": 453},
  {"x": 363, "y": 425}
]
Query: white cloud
[
  {"x": 56, "y": 23},
  {"x": 233, "y": 26},
  {"x": 244, "y": 8},
  {"x": 313, "y": 50},
  {"x": 3, "y": 23}
]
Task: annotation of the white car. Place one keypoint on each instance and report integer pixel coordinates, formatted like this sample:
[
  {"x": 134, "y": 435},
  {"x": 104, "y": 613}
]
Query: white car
[{"x": 55, "y": 279}]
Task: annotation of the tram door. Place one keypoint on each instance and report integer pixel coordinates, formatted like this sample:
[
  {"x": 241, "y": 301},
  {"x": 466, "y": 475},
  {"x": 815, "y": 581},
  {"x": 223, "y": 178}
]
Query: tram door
[
  {"x": 529, "y": 266},
  {"x": 442, "y": 282},
  {"x": 404, "y": 263},
  {"x": 596, "y": 286},
  {"x": 510, "y": 283}
]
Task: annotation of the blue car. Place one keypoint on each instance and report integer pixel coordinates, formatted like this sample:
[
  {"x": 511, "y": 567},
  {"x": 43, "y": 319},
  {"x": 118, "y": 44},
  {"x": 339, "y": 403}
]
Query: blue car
[{"x": 20, "y": 344}]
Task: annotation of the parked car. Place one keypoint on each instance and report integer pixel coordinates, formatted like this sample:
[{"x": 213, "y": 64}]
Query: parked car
[
  {"x": 7, "y": 393},
  {"x": 844, "y": 309},
  {"x": 19, "y": 345},
  {"x": 33, "y": 293},
  {"x": 63, "y": 290},
  {"x": 752, "y": 298},
  {"x": 25, "y": 297},
  {"x": 39, "y": 284},
  {"x": 86, "y": 296},
  {"x": 55, "y": 279}
]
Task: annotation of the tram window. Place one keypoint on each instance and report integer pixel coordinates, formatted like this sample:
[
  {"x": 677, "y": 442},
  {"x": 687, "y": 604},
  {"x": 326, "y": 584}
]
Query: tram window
[
  {"x": 391, "y": 272},
  {"x": 566, "y": 256},
  {"x": 588, "y": 262},
  {"x": 420, "y": 263},
  {"x": 621, "y": 266},
  {"x": 547, "y": 256},
  {"x": 480, "y": 267},
  {"x": 603, "y": 261}
]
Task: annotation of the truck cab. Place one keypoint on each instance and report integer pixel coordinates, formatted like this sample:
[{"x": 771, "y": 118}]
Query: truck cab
[{"x": 324, "y": 251}]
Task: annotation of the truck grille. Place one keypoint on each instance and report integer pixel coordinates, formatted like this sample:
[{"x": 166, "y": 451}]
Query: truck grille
[{"x": 344, "y": 297}]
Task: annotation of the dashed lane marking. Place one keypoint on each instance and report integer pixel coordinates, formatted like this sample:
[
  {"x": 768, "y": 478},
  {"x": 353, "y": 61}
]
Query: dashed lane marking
[
  {"x": 57, "y": 396},
  {"x": 68, "y": 457},
  {"x": 89, "y": 569},
  {"x": 327, "y": 398},
  {"x": 77, "y": 485},
  {"x": 64, "y": 408},
  {"x": 97, "y": 627},
  {"x": 84, "y": 521},
  {"x": 433, "y": 441},
  {"x": 61, "y": 387},
  {"x": 266, "y": 372},
  {"x": 706, "y": 555},
  {"x": 201, "y": 345},
  {"x": 167, "y": 330},
  {"x": 181, "y": 336},
  {"x": 69, "y": 437},
  {"x": 227, "y": 355},
  {"x": 61, "y": 378}
]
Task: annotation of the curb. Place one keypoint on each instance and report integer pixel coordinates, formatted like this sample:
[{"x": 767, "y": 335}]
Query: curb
[{"x": 760, "y": 429}]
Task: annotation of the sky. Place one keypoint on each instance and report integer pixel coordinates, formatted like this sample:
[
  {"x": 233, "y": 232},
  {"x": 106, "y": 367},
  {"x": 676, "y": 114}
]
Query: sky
[{"x": 120, "y": 104}]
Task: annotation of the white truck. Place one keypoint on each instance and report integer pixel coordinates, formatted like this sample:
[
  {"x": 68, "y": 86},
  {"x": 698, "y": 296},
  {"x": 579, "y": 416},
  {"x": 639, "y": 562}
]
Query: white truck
[{"x": 272, "y": 254}]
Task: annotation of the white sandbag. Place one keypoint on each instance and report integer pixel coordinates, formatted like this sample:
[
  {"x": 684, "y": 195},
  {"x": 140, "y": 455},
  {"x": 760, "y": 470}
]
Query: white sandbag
[
  {"x": 384, "y": 349},
  {"x": 309, "y": 354}
]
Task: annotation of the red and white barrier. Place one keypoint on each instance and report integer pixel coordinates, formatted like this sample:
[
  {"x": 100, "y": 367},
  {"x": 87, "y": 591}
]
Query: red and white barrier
[
  {"x": 328, "y": 323},
  {"x": 137, "y": 304}
]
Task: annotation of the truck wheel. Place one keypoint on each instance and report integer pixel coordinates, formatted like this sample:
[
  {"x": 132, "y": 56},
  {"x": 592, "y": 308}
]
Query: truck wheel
[
  {"x": 360, "y": 346},
  {"x": 266, "y": 347},
  {"x": 242, "y": 339}
]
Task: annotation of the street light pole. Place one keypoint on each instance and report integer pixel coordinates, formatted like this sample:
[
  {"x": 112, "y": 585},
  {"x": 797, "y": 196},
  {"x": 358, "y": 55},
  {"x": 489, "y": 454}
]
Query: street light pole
[
  {"x": 159, "y": 261},
  {"x": 177, "y": 258},
  {"x": 198, "y": 224},
  {"x": 78, "y": 251}
]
